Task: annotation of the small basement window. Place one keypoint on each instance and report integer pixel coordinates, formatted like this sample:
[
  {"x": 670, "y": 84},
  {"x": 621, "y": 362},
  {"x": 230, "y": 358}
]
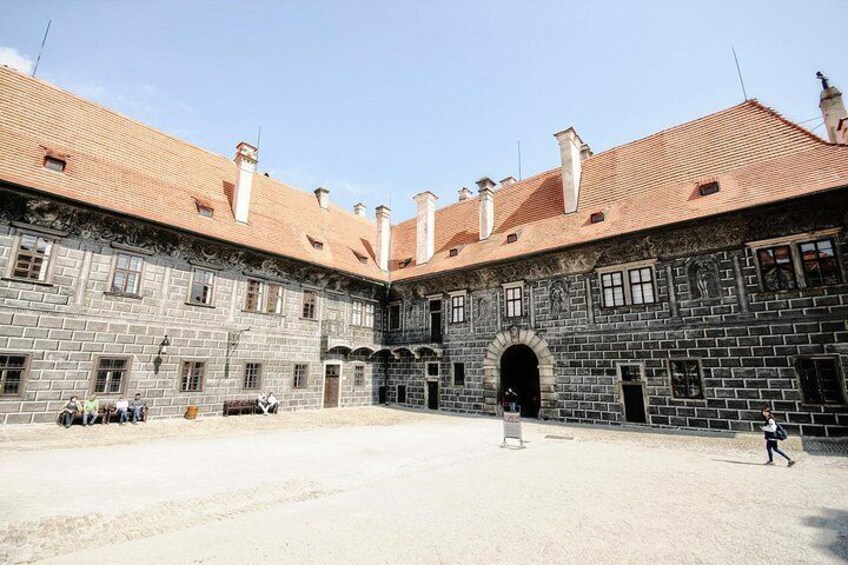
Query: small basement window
[
  {"x": 512, "y": 238},
  {"x": 707, "y": 189},
  {"x": 597, "y": 218},
  {"x": 54, "y": 164}
]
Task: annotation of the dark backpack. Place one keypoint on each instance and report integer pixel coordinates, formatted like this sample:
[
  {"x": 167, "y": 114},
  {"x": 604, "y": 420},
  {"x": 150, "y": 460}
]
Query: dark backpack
[{"x": 780, "y": 433}]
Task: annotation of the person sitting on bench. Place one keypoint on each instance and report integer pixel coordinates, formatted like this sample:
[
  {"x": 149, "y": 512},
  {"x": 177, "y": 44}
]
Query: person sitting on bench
[
  {"x": 122, "y": 405},
  {"x": 69, "y": 411},
  {"x": 137, "y": 406},
  {"x": 92, "y": 407},
  {"x": 262, "y": 402},
  {"x": 273, "y": 403}
]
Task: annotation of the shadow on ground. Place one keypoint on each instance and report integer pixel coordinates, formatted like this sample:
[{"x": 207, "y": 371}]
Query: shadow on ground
[{"x": 833, "y": 535}]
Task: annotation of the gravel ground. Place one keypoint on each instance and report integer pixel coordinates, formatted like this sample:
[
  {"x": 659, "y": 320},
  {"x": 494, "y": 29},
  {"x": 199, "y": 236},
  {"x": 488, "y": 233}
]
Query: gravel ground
[{"x": 379, "y": 485}]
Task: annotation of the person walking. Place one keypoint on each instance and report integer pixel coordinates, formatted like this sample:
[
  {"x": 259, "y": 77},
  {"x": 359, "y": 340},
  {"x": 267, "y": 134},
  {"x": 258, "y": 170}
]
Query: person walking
[
  {"x": 773, "y": 434},
  {"x": 512, "y": 398}
]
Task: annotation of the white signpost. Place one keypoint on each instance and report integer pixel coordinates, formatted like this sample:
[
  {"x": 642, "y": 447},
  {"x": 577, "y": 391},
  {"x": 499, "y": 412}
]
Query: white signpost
[{"x": 512, "y": 429}]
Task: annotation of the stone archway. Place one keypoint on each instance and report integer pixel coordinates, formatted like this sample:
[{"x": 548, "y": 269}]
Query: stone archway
[{"x": 492, "y": 369}]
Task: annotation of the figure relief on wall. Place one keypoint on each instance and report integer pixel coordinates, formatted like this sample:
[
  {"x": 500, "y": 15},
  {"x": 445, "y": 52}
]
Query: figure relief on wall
[
  {"x": 703, "y": 278},
  {"x": 484, "y": 309},
  {"x": 559, "y": 297}
]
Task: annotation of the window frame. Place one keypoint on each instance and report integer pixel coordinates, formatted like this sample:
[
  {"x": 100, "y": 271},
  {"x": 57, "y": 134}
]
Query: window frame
[
  {"x": 624, "y": 271},
  {"x": 453, "y": 373},
  {"x": 840, "y": 379},
  {"x": 46, "y": 272},
  {"x": 305, "y": 383},
  {"x": 833, "y": 246},
  {"x": 461, "y": 308},
  {"x": 357, "y": 309},
  {"x": 25, "y": 369},
  {"x": 794, "y": 242},
  {"x": 513, "y": 286},
  {"x": 202, "y": 383},
  {"x": 427, "y": 375},
  {"x": 264, "y": 295},
  {"x": 399, "y": 306},
  {"x": 314, "y": 304},
  {"x": 670, "y": 372},
  {"x": 95, "y": 369},
  {"x": 259, "y": 375},
  {"x": 356, "y": 368},
  {"x": 140, "y": 273},
  {"x": 212, "y": 287}
]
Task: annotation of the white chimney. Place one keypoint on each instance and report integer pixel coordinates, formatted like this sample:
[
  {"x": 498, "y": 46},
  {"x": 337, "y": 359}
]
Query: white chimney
[
  {"x": 425, "y": 227},
  {"x": 464, "y": 194},
  {"x": 487, "y": 207},
  {"x": 359, "y": 209},
  {"x": 508, "y": 181},
  {"x": 246, "y": 158},
  {"x": 323, "y": 196},
  {"x": 384, "y": 227},
  {"x": 573, "y": 151},
  {"x": 833, "y": 110}
]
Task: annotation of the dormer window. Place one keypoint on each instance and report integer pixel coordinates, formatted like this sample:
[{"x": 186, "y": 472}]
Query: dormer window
[
  {"x": 316, "y": 245},
  {"x": 597, "y": 217},
  {"x": 204, "y": 207},
  {"x": 512, "y": 238},
  {"x": 55, "y": 164},
  {"x": 708, "y": 188},
  {"x": 403, "y": 263},
  {"x": 453, "y": 252},
  {"x": 362, "y": 258}
]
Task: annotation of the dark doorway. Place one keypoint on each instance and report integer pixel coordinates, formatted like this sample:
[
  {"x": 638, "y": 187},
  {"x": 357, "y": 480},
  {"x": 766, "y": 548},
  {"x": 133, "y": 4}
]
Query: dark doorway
[
  {"x": 520, "y": 372},
  {"x": 433, "y": 395},
  {"x": 331, "y": 386},
  {"x": 436, "y": 321},
  {"x": 634, "y": 403},
  {"x": 401, "y": 394}
]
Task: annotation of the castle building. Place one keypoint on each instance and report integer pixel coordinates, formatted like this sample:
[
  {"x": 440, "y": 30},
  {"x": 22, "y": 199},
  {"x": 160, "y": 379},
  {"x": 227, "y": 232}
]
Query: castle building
[{"x": 682, "y": 280}]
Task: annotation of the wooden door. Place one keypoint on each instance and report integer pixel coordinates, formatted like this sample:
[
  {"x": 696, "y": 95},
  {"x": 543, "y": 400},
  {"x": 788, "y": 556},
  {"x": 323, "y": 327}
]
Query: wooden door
[
  {"x": 331, "y": 386},
  {"x": 433, "y": 395}
]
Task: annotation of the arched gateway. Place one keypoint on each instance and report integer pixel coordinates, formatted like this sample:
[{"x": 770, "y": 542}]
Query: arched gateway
[{"x": 493, "y": 379}]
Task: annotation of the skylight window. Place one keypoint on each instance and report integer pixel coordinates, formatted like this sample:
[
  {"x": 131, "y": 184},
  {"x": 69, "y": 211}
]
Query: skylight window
[
  {"x": 708, "y": 188},
  {"x": 597, "y": 217},
  {"x": 205, "y": 211},
  {"x": 362, "y": 258},
  {"x": 55, "y": 164},
  {"x": 512, "y": 238},
  {"x": 316, "y": 244},
  {"x": 453, "y": 252},
  {"x": 403, "y": 263}
]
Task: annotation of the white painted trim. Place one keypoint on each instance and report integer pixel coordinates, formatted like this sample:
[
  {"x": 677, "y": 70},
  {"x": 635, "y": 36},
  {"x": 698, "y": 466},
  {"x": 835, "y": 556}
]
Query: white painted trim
[
  {"x": 795, "y": 238},
  {"x": 626, "y": 266},
  {"x": 512, "y": 284}
]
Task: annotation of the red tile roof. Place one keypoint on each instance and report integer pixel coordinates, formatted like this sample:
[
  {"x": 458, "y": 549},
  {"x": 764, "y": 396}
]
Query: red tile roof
[
  {"x": 756, "y": 156},
  {"x": 116, "y": 163}
]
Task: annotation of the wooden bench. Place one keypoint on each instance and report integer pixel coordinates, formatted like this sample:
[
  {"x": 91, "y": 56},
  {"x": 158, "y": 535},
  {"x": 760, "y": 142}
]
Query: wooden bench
[{"x": 240, "y": 407}]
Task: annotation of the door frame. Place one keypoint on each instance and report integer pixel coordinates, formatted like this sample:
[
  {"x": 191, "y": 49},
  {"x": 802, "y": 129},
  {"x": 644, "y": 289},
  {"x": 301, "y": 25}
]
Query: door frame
[
  {"x": 324, "y": 381},
  {"x": 430, "y": 379},
  {"x": 619, "y": 385}
]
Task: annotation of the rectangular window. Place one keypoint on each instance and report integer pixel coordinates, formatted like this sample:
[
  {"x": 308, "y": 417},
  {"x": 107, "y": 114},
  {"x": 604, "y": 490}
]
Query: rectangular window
[
  {"x": 300, "y": 373},
  {"x": 641, "y": 285},
  {"x": 192, "y": 376},
  {"x": 201, "y": 287},
  {"x": 111, "y": 375},
  {"x": 820, "y": 380},
  {"x": 819, "y": 261},
  {"x": 274, "y": 302},
  {"x": 359, "y": 375},
  {"x": 32, "y": 258},
  {"x": 612, "y": 287},
  {"x": 459, "y": 374},
  {"x": 310, "y": 299},
  {"x": 127, "y": 277},
  {"x": 356, "y": 314},
  {"x": 394, "y": 316},
  {"x": 252, "y": 376},
  {"x": 630, "y": 373},
  {"x": 254, "y": 295},
  {"x": 432, "y": 369},
  {"x": 55, "y": 164},
  {"x": 686, "y": 378},
  {"x": 457, "y": 309},
  {"x": 369, "y": 315},
  {"x": 12, "y": 370},
  {"x": 776, "y": 267},
  {"x": 513, "y": 301}
]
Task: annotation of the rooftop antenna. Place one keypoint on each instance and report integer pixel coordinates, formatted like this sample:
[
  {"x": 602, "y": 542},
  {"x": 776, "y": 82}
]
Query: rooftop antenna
[
  {"x": 43, "y": 41},
  {"x": 519, "y": 159},
  {"x": 739, "y": 72},
  {"x": 258, "y": 139}
]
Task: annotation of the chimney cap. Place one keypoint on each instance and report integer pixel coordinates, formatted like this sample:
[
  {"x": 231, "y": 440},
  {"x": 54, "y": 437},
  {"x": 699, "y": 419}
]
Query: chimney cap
[
  {"x": 321, "y": 190},
  {"x": 383, "y": 209},
  {"x": 359, "y": 209},
  {"x": 464, "y": 193},
  {"x": 484, "y": 183},
  {"x": 508, "y": 181},
  {"x": 425, "y": 196},
  {"x": 568, "y": 134},
  {"x": 244, "y": 150}
]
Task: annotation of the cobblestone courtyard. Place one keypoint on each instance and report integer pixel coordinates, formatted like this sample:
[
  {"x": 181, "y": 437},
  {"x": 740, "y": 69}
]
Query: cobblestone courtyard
[{"x": 378, "y": 485}]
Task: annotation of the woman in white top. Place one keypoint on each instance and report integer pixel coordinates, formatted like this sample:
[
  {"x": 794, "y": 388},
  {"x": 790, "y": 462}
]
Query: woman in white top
[{"x": 771, "y": 438}]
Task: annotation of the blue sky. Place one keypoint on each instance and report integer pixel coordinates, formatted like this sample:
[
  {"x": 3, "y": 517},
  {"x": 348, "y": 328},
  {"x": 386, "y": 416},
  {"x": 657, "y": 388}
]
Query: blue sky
[{"x": 380, "y": 100}]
